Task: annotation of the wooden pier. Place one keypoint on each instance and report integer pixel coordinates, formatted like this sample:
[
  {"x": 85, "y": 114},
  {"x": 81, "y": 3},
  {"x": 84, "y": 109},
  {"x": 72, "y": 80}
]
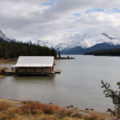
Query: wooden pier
[{"x": 57, "y": 71}]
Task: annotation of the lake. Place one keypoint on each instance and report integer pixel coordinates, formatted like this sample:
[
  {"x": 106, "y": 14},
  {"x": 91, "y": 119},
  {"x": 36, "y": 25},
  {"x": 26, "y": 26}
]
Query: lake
[{"x": 79, "y": 83}]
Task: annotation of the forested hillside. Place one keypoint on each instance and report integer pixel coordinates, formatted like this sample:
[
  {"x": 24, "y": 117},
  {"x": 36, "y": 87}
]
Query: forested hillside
[
  {"x": 14, "y": 49},
  {"x": 109, "y": 52}
]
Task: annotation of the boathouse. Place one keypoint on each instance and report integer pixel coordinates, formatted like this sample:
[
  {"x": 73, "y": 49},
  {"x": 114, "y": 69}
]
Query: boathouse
[{"x": 34, "y": 65}]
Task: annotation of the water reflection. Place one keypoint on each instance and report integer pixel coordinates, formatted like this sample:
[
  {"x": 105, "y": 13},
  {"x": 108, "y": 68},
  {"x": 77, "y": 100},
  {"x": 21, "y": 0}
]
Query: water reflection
[{"x": 30, "y": 79}]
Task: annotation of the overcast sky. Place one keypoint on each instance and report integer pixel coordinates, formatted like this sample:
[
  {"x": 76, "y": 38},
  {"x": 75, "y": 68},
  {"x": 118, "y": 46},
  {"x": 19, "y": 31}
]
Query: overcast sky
[{"x": 58, "y": 20}]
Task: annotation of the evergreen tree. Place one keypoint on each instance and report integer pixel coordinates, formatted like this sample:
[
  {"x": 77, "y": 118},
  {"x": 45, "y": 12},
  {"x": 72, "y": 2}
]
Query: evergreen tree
[
  {"x": 15, "y": 49},
  {"x": 115, "y": 96}
]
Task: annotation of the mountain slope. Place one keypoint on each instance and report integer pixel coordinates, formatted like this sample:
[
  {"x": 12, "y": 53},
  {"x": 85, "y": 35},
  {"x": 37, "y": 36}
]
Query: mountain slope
[
  {"x": 106, "y": 52},
  {"x": 80, "y": 50},
  {"x": 4, "y": 37},
  {"x": 43, "y": 43},
  {"x": 86, "y": 41},
  {"x": 75, "y": 50},
  {"x": 13, "y": 49},
  {"x": 102, "y": 46}
]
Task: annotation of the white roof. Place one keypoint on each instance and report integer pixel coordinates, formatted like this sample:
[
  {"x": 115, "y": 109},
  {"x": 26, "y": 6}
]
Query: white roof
[{"x": 35, "y": 61}]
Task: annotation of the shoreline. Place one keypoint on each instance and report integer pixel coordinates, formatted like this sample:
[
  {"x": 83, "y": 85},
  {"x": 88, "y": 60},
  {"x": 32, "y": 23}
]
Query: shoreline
[
  {"x": 65, "y": 58},
  {"x": 13, "y": 61},
  {"x": 8, "y": 61},
  {"x": 80, "y": 113}
]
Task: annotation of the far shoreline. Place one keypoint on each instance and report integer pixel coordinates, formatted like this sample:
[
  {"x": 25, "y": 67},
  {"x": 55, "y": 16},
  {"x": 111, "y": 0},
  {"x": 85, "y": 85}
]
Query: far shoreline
[
  {"x": 14, "y": 60},
  {"x": 64, "y": 58}
]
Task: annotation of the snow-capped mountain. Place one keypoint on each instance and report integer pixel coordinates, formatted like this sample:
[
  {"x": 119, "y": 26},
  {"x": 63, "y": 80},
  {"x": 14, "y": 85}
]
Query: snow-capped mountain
[
  {"x": 80, "y": 50},
  {"x": 43, "y": 43},
  {"x": 38, "y": 42},
  {"x": 78, "y": 45},
  {"x": 4, "y": 37},
  {"x": 88, "y": 40}
]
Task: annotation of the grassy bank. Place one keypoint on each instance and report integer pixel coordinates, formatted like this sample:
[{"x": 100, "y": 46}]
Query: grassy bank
[{"x": 29, "y": 110}]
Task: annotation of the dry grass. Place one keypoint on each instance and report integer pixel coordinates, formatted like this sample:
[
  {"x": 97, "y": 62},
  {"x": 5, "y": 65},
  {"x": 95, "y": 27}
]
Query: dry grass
[
  {"x": 4, "y": 106},
  {"x": 64, "y": 113},
  {"x": 6, "y": 111},
  {"x": 36, "y": 107},
  {"x": 10, "y": 102},
  {"x": 92, "y": 117},
  {"x": 34, "y": 110}
]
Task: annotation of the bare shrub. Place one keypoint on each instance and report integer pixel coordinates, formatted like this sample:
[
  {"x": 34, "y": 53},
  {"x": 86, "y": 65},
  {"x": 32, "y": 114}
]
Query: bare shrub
[
  {"x": 4, "y": 106},
  {"x": 7, "y": 115},
  {"x": 36, "y": 107}
]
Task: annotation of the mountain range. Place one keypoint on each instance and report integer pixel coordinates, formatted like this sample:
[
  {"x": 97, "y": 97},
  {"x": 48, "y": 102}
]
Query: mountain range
[
  {"x": 85, "y": 43},
  {"x": 88, "y": 43},
  {"x": 80, "y": 50}
]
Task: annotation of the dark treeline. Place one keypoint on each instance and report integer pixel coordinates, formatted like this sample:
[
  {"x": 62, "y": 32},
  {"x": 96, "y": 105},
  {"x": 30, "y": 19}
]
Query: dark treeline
[
  {"x": 14, "y": 49},
  {"x": 108, "y": 52}
]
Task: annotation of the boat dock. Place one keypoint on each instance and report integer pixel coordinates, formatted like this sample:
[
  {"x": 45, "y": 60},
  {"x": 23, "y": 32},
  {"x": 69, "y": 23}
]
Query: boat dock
[{"x": 57, "y": 71}]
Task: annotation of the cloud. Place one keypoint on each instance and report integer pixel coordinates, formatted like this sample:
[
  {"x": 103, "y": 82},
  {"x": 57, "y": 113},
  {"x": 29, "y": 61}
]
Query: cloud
[{"x": 58, "y": 20}]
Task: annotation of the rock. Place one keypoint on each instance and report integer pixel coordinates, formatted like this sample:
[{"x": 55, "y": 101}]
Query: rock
[
  {"x": 4, "y": 71},
  {"x": 50, "y": 103},
  {"x": 71, "y": 106},
  {"x": 86, "y": 109},
  {"x": 68, "y": 107},
  {"x": 92, "y": 109}
]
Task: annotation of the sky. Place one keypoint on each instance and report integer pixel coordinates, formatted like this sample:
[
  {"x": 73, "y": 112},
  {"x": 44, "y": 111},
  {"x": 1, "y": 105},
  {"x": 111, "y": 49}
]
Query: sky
[{"x": 56, "y": 21}]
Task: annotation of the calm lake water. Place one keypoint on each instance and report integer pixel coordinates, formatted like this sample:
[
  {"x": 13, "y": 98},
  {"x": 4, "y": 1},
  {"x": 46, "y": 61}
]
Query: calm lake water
[{"x": 79, "y": 83}]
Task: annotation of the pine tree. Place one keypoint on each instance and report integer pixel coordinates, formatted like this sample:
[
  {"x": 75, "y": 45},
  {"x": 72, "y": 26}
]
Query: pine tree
[
  {"x": 14, "y": 49},
  {"x": 115, "y": 96}
]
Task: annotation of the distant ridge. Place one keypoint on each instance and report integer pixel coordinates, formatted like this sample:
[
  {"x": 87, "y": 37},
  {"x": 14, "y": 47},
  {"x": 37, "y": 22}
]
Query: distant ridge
[
  {"x": 13, "y": 49},
  {"x": 87, "y": 40},
  {"x": 3, "y": 36},
  {"x": 78, "y": 46},
  {"x": 106, "y": 52},
  {"x": 80, "y": 50}
]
